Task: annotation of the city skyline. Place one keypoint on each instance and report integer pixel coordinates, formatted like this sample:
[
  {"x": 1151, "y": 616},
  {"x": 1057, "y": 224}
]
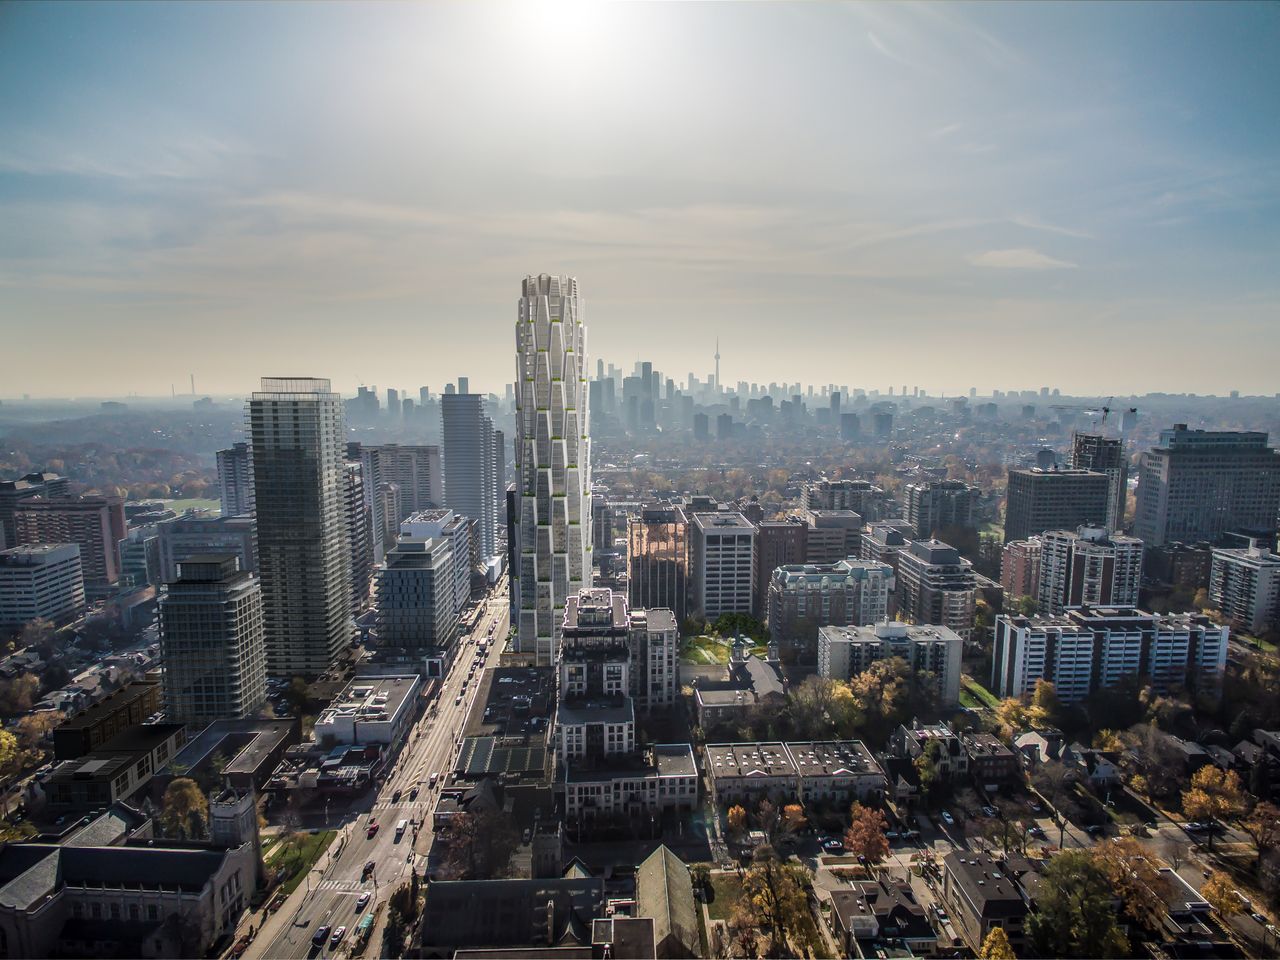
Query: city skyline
[{"x": 1055, "y": 179}]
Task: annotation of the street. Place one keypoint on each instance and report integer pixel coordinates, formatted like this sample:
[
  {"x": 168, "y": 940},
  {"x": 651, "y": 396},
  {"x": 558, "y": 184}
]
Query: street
[{"x": 328, "y": 896}]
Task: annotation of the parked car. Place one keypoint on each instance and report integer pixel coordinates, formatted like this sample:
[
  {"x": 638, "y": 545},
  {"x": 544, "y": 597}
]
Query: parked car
[
  {"x": 1259, "y": 918},
  {"x": 891, "y": 834},
  {"x": 1035, "y": 807},
  {"x": 948, "y": 819},
  {"x": 373, "y": 829},
  {"x": 337, "y": 937},
  {"x": 1095, "y": 829},
  {"x": 832, "y": 845},
  {"x": 320, "y": 936},
  {"x": 989, "y": 811}
]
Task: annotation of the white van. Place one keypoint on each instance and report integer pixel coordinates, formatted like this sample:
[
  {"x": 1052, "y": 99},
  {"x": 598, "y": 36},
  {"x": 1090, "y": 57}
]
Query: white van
[{"x": 400, "y": 828}]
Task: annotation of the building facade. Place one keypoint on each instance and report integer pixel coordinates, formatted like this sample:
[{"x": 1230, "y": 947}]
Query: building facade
[
  {"x": 47, "y": 485},
  {"x": 417, "y": 590},
  {"x": 552, "y": 459},
  {"x": 1200, "y": 485},
  {"x": 1084, "y": 650},
  {"x": 934, "y": 506},
  {"x": 1040, "y": 500},
  {"x": 1244, "y": 584},
  {"x": 1020, "y": 567},
  {"x": 40, "y": 580},
  {"x": 658, "y": 559},
  {"x": 1088, "y": 566},
  {"x": 804, "y": 597},
  {"x": 189, "y": 536},
  {"x": 779, "y": 543},
  {"x": 95, "y": 524},
  {"x": 235, "y": 480},
  {"x": 936, "y": 586},
  {"x": 470, "y": 475},
  {"x": 844, "y": 652},
  {"x": 213, "y": 642},
  {"x": 1090, "y": 451},
  {"x": 304, "y": 554},
  {"x": 723, "y": 559}
]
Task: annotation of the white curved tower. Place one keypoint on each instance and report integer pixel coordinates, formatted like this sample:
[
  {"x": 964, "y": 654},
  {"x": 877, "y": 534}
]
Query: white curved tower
[{"x": 553, "y": 460}]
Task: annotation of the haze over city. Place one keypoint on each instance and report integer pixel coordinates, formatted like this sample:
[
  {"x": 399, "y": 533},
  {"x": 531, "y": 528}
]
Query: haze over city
[{"x": 355, "y": 191}]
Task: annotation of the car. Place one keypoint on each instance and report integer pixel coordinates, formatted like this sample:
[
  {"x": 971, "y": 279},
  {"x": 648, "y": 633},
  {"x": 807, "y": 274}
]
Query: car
[
  {"x": 941, "y": 914},
  {"x": 435, "y": 778},
  {"x": 373, "y": 829},
  {"x": 1036, "y": 831},
  {"x": 363, "y": 901},
  {"x": 1258, "y": 918},
  {"x": 989, "y": 811},
  {"x": 320, "y": 936},
  {"x": 457, "y": 700},
  {"x": 891, "y": 834},
  {"x": 1095, "y": 829},
  {"x": 1194, "y": 826},
  {"x": 413, "y": 793},
  {"x": 948, "y": 819},
  {"x": 395, "y": 797},
  {"x": 337, "y": 937},
  {"x": 832, "y": 845},
  {"x": 1035, "y": 807},
  {"x": 369, "y": 867}
]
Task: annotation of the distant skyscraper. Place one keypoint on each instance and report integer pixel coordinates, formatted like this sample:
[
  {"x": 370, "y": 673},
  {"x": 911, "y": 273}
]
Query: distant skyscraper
[
  {"x": 360, "y": 535},
  {"x": 304, "y": 552},
  {"x": 235, "y": 480},
  {"x": 470, "y": 480},
  {"x": 1104, "y": 455},
  {"x": 211, "y": 636},
  {"x": 553, "y": 459},
  {"x": 1199, "y": 485}
]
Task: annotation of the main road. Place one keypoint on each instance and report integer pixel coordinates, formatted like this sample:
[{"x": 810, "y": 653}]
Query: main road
[{"x": 330, "y": 893}]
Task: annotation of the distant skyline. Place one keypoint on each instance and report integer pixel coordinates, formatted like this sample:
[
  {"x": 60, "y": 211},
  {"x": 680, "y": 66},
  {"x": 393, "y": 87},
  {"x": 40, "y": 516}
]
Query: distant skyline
[{"x": 948, "y": 196}]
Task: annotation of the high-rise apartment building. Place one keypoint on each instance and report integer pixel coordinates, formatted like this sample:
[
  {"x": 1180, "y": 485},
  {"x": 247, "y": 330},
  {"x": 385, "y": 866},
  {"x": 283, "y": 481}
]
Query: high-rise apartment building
[
  {"x": 47, "y": 485},
  {"x": 723, "y": 557},
  {"x": 470, "y": 481},
  {"x": 1244, "y": 584},
  {"x": 936, "y": 586},
  {"x": 801, "y": 598},
  {"x": 190, "y": 536},
  {"x": 1087, "y": 566},
  {"x": 446, "y": 527},
  {"x": 1090, "y": 451},
  {"x": 417, "y": 592},
  {"x": 861, "y": 496},
  {"x": 832, "y": 535},
  {"x": 1053, "y": 499},
  {"x": 298, "y": 435},
  {"x": 929, "y": 650},
  {"x": 213, "y": 642},
  {"x": 235, "y": 480},
  {"x": 779, "y": 543},
  {"x": 40, "y": 580},
  {"x": 96, "y": 524},
  {"x": 1085, "y": 649},
  {"x": 1200, "y": 485},
  {"x": 359, "y": 534},
  {"x": 418, "y": 470},
  {"x": 552, "y": 459},
  {"x": 937, "y": 505},
  {"x": 658, "y": 559},
  {"x": 1020, "y": 567}
]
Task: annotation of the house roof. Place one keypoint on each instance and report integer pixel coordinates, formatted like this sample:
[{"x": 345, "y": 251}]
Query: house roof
[{"x": 664, "y": 891}]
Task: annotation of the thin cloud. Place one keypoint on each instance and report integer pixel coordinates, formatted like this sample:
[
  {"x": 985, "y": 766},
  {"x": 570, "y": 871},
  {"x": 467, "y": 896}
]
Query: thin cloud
[{"x": 1019, "y": 258}]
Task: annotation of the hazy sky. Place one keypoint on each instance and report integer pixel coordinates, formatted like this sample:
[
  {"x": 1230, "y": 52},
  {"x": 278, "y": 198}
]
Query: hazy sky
[{"x": 945, "y": 195}]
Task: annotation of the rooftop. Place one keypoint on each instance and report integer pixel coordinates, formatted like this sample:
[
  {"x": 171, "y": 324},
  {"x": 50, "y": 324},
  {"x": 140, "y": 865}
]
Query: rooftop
[{"x": 370, "y": 699}]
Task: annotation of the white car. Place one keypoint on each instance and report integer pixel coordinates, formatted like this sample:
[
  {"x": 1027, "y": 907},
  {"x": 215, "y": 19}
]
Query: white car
[{"x": 948, "y": 819}]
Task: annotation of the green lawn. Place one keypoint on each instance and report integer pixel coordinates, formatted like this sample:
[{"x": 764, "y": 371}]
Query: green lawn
[
  {"x": 178, "y": 506},
  {"x": 297, "y": 855},
  {"x": 727, "y": 890},
  {"x": 707, "y": 649},
  {"x": 977, "y": 693}
]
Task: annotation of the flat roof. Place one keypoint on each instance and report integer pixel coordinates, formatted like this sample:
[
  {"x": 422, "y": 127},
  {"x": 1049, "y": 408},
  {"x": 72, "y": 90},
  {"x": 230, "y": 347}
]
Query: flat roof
[
  {"x": 371, "y": 699},
  {"x": 749, "y": 760}
]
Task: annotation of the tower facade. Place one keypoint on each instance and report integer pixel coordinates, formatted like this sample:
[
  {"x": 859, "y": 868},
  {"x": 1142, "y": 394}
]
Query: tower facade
[
  {"x": 304, "y": 552},
  {"x": 470, "y": 471},
  {"x": 552, "y": 458}
]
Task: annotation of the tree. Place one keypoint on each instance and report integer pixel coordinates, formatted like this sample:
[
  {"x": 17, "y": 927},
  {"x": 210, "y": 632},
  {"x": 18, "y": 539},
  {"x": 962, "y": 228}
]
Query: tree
[
  {"x": 775, "y": 892},
  {"x": 1263, "y": 825},
  {"x": 927, "y": 768},
  {"x": 996, "y": 946},
  {"x": 35, "y": 727},
  {"x": 865, "y": 836},
  {"x": 737, "y": 820},
  {"x": 1073, "y": 915},
  {"x": 8, "y": 753},
  {"x": 296, "y": 696},
  {"x": 1028, "y": 606},
  {"x": 185, "y": 809},
  {"x": 742, "y": 929},
  {"x": 1045, "y": 706},
  {"x": 1138, "y": 784},
  {"x": 1214, "y": 795},
  {"x": 17, "y": 695},
  {"x": 1219, "y": 892},
  {"x": 767, "y": 816},
  {"x": 793, "y": 818},
  {"x": 880, "y": 693},
  {"x": 1011, "y": 714},
  {"x": 1133, "y": 877},
  {"x": 479, "y": 844}
]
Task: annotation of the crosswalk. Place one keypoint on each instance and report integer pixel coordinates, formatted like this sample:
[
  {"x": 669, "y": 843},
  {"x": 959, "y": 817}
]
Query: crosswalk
[{"x": 343, "y": 886}]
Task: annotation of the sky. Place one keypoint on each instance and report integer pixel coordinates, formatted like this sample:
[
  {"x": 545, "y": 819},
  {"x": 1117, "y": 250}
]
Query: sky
[{"x": 946, "y": 195}]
